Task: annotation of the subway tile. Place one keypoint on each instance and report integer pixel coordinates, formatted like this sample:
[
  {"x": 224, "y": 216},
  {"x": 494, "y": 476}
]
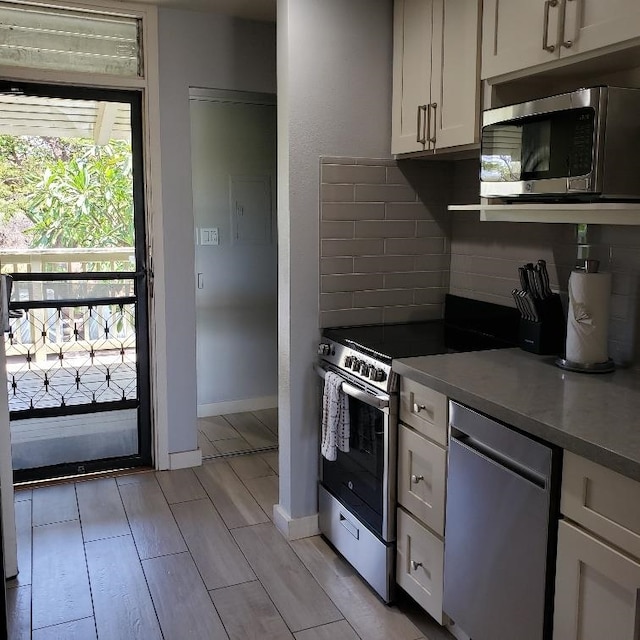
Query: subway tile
[
  {"x": 413, "y": 280},
  {"x": 337, "y": 248},
  {"x": 336, "y": 160},
  {"x": 336, "y": 265},
  {"x": 384, "y": 193},
  {"x": 383, "y": 264},
  {"x": 395, "y": 176},
  {"x": 407, "y": 211},
  {"x": 430, "y": 229},
  {"x": 385, "y": 229},
  {"x": 433, "y": 295},
  {"x": 353, "y": 174},
  {"x": 335, "y": 301},
  {"x": 383, "y": 298},
  {"x": 353, "y": 282},
  {"x": 432, "y": 262},
  {"x": 384, "y": 162},
  {"x": 336, "y": 230},
  {"x": 337, "y": 193},
  {"x": 414, "y": 313},
  {"x": 351, "y": 317},
  {"x": 413, "y": 246},
  {"x": 352, "y": 211}
]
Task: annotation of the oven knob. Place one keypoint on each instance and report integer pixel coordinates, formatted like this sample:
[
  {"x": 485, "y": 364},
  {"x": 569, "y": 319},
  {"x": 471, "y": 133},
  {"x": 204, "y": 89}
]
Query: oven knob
[
  {"x": 324, "y": 349},
  {"x": 364, "y": 369},
  {"x": 373, "y": 372},
  {"x": 381, "y": 376},
  {"x": 355, "y": 364},
  {"x": 347, "y": 361}
]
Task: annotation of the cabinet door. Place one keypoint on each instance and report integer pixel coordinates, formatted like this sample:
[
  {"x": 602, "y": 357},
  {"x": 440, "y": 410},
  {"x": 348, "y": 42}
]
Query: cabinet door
[
  {"x": 592, "y": 24},
  {"x": 597, "y": 589},
  {"x": 455, "y": 82},
  {"x": 412, "y": 32},
  {"x": 514, "y": 33},
  {"x": 422, "y": 468}
]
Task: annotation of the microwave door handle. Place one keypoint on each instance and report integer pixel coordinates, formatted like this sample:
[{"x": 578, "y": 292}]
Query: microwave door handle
[{"x": 378, "y": 402}]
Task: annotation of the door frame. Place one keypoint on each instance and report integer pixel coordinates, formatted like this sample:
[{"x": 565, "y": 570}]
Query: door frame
[{"x": 148, "y": 85}]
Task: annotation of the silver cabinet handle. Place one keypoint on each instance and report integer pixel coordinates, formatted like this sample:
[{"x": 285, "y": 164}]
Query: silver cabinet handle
[
  {"x": 416, "y": 479},
  {"x": 423, "y": 124},
  {"x": 419, "y": 123},
  {"x": 545, "y": 27},
  {"x": 417, "y": 408},
  {"x": 567, "y": 44},
  {"x": 432, "y": 138},
  {"x": 415, "y": 565}
]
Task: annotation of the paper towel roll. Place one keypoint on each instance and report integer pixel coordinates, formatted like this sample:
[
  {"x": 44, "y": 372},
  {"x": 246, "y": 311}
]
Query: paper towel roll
[{"x": 588, "y": 317}]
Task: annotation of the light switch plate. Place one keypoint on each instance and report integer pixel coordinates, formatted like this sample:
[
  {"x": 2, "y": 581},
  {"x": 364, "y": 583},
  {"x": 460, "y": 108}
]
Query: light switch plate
[{"x": 209, "y": 236}]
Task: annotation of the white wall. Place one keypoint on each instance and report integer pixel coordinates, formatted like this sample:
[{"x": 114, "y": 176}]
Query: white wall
[
  {"x": 200, "y": 50},
  {"x": 334, "y": 99},
  {"x": 237, "y": 301}
]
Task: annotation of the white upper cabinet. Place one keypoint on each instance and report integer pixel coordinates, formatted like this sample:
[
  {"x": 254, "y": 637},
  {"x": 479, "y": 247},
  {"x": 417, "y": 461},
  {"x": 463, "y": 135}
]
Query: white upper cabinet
[
  {"x": 593, "y": 24},
  {"x": 519, "y": 34},
  {"x": 435, "y": 74}
]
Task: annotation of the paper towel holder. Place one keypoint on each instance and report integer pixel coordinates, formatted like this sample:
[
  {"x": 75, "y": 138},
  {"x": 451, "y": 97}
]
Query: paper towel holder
[{"x": 590, "y": 266}]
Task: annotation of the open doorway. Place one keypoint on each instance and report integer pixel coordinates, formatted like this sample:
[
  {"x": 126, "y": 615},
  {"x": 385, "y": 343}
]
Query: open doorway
[
  {"x": 233, "y": 153},
  {"x": 73, "y": 239}
]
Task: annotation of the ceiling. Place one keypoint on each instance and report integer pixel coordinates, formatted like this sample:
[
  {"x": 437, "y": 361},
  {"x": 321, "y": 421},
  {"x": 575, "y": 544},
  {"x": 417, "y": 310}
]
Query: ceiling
[{"x": 263, "y": 10}]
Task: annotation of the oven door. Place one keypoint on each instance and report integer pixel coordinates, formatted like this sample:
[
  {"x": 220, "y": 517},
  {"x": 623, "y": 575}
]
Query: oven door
[{"x": 363, "y": 479}]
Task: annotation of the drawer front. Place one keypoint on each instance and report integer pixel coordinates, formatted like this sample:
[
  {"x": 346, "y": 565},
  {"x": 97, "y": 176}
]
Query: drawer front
[
  {"x": 422, "y": 468},
  {"x": 602, "y": 501},
  {"x": 424, "y": 409},
  {"x": 419, "y": 567}
]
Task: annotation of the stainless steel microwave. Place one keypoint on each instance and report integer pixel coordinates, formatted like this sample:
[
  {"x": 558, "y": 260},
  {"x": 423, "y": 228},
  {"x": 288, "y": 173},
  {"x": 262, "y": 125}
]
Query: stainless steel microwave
[{"x": 583, "y": 145}]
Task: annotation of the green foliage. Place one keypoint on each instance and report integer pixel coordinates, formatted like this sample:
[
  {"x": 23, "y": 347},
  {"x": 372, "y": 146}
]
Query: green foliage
[
  {"x": 75, "y": 193},
  {"x": 85, "y": 201}
]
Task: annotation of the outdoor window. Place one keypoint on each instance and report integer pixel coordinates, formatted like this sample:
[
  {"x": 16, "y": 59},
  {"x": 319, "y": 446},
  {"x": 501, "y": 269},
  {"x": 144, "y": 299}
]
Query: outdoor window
[{"x": 41, "y": 37}]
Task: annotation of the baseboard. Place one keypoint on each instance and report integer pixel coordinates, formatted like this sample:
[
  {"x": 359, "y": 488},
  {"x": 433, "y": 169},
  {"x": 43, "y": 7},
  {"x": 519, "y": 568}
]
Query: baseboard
[
  {"x": 294, "y": 528},
  {"x": 237, "y": 406},
  {"x": 185, "y": 459}
]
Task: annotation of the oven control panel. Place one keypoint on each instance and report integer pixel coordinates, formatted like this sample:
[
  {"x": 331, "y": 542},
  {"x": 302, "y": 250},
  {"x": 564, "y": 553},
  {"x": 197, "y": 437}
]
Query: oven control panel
[{"x": 361, "y": 366}]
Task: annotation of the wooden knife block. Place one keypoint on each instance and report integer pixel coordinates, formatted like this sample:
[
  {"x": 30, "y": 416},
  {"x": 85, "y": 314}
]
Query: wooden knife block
[{"x": 548, "y": 335}]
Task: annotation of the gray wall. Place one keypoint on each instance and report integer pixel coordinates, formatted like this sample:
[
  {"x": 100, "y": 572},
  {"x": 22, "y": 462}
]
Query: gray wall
[
  {"x": 237, "y": 304},
  {"x": 334, "y": 99},
  {"x": 199, "y": 50}
]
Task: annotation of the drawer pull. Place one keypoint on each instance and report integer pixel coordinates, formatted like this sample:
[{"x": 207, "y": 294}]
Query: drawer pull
[
  {"x": 416, "y": 479},
  {"x": 350, "y": 527},
  {"x": 417, "y": 408},
  {"x": 415, "y": 565}
]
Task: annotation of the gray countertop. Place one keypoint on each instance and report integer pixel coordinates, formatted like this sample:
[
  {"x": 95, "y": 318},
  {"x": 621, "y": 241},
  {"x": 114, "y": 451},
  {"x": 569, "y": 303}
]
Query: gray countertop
[{"x": 596, "y": 416}]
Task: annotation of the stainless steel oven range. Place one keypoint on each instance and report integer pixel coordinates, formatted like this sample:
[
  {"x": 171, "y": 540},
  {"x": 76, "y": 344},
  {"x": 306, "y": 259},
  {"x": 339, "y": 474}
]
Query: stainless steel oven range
[{"x": 357, "y": 491}]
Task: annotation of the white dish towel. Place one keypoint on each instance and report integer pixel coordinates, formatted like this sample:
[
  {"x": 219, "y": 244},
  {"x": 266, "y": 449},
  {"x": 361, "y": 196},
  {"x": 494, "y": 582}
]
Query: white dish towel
[{"x": 335, "y": 417}]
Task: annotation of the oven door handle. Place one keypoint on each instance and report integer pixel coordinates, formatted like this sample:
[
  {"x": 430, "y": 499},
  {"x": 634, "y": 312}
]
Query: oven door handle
[{"x": 379, "y": 402}]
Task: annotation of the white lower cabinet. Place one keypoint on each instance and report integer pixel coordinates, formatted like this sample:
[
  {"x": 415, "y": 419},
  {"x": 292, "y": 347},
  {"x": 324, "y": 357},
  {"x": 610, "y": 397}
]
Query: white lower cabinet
[
  {"x": 597, "y": 592},
  {"x": 597, "y": 589},
  {"x": 422, "y": 476},
  {"x": 419, "y": 564}
]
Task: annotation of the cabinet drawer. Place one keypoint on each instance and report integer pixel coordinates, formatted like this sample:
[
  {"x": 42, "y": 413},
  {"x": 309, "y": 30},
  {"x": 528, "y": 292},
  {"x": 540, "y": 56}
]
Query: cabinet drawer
[
  {"x": 424, "y": 409},
  {"x": 421, "y": 478},
  {"x": 602, "y": 501},
  {"x": 419, "y": 567}
]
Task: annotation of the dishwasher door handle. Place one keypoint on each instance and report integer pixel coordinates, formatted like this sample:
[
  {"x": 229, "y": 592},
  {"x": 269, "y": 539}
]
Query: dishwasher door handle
[{"x": 499, "y": 459}]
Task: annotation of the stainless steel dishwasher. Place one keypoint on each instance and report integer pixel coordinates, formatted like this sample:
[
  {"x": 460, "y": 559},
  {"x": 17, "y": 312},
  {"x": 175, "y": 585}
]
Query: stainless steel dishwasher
[{"x": 501, "y": 528}]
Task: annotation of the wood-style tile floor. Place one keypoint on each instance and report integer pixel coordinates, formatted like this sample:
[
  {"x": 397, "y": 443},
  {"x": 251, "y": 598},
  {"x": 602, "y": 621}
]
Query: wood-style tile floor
[
  {"x": 188, "y": 554},
  {"x": 238, "y": 432}
]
